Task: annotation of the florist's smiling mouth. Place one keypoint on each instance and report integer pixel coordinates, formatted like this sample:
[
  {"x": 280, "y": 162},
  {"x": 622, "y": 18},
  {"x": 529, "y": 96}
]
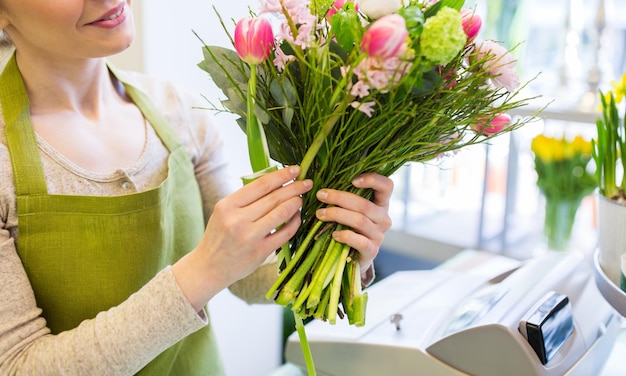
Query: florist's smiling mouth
[{"x": 113, "y": 17}]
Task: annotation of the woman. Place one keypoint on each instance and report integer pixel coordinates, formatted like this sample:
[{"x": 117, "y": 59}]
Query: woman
[{"x": 106, "y": 179}]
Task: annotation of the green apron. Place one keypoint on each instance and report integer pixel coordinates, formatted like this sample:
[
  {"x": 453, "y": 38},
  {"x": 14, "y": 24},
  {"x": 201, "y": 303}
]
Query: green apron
[{"x": 86, "y": 254}]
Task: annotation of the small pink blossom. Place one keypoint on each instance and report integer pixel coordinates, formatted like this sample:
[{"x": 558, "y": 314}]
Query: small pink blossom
[
  {"x": 471, "y": 24},
  {"x": 378, "y": 78},
  {"x": 305, "y": 34},
  {"x": 276, "y": 6},
  {"x": 360, "y": 89},
  {"x": 281, "y": 59},
  {"x": 301, "y": 16},
  {"x": 382, "y": 74},
  {"x": 493, "y": 126},
  {"x": 254, "y": 39},
  {"x": 271, "y": 6},
  {"x": 499, "y": 63},
  {"x": 385, "y": 37},
  {"x": 365, "y": 107}
]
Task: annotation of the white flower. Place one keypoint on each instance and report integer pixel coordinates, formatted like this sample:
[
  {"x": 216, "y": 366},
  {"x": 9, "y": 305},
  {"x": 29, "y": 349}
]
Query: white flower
[
  {"x": 499, "y": 62},
  {"x": 377, "y": 8}
]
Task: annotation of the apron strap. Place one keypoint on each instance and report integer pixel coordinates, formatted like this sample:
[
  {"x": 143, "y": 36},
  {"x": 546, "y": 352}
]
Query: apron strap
[
  {"x": 150, "y": 111},
  {"x": 21, "y": 141}
]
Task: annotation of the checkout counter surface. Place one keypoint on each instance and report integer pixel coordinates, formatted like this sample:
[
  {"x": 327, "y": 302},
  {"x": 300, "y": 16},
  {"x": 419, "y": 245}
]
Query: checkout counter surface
[
  {"x": 614, "y": 365},
  {"x": 585, "y": 309}
]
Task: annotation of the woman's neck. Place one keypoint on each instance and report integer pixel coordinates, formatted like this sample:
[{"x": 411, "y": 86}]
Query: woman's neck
[
  {"x": 82, "y": 99},
  {"x": 83, "y": 86}
]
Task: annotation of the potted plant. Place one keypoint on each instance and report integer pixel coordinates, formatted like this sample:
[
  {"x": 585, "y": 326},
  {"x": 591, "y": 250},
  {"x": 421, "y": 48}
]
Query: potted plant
[{"x": 608, "y": 149}]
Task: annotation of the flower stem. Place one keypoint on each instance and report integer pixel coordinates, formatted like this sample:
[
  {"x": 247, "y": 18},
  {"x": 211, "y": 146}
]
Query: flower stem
[
  {"x": 320, "y": 137},
  {"x": 320, "y": 277},
  {"x": 304, "y": 343},
  {"x": 335, "y": 293},
  {"x": 292, "y": 288},
  {"x": 313, "y": 291},
  {"x": 257, "y": 143},
  {"x": 320, "y": 312},
  {"x": 355, "y": 301},
  {"x": 291, "y": 265}
]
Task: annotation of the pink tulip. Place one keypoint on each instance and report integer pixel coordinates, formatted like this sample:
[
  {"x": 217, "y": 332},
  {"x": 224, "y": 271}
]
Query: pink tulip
[
  {"x": 385, "y": 37},
  {"x": 337, "y": 6},
  {"x": 497, "y": 124},
  {"x": 471, "y": 24},
  {"x": 254, "y": 39}
]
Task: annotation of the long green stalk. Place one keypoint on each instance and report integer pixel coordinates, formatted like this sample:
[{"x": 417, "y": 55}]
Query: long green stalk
[
  {"x": 258, "y": 150},
  {"x": 313, "y": 284},
  {"x": 321, "y": 136},
  {"x": 257, "y": 143},
  {"x": 290, "y": 266},
  {"x": 320, "y": 276},
  {"x": 333, "y": 304},
  {"x": 622, "y": 148},
  {"x": 259, "y": 159},
  {"x": 304, "y": 344},
  {"x": 291, "y": 289},
  {"x": 606, "y": 149}
]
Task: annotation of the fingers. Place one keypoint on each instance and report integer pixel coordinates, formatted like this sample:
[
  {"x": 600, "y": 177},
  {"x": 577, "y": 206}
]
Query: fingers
[
  {"x": 278, "y": 214},
  {"x": 264, "y": 185},
  {"x": 359, "y": 210},
  {"x": 355, "y": 220},
  {"x": 366, "y": 247},
  {"x": 272, "y": 198},
  {"x": 368, "y": 220},
  {"x": 282, "y": 235},
  {"x": 382, "y": 186}
]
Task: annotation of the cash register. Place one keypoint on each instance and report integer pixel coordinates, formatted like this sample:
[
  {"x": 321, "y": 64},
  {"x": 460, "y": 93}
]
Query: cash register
[{"x": 477, "y": 314}]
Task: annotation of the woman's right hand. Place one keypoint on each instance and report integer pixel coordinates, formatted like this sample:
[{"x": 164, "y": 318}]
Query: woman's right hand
[{"x": 241, "y": 234}]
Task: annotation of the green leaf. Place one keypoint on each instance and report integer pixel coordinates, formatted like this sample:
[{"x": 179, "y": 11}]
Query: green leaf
[
  {"x": 224, "y": 66},
  {"x": 261, "y": 114},
  {"x": 285, "y": 96},
  {"x": 455, "y": 4},
  {"x": 430, "y": 81},
  {"x": 242, "y": 124},
  {"x": 414, "y": 19},
  {"x": 346, "y": 26},
  {"x": 237, "y": 100}
]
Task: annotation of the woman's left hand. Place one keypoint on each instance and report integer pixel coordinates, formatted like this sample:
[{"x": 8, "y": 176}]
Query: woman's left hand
[{"x": 368, "y": 220}]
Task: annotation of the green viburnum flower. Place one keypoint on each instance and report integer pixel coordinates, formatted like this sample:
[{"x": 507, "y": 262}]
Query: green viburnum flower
[{"x": 443, "y": 36}]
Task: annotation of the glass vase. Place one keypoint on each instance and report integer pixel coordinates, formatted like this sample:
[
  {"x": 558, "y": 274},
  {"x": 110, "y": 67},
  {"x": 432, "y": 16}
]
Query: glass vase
[{"x": 559, "y": 221}]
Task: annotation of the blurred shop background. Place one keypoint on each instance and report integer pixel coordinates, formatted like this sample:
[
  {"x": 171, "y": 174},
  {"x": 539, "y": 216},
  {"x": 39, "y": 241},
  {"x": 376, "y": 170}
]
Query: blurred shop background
[{"x": 485, "y": 197}]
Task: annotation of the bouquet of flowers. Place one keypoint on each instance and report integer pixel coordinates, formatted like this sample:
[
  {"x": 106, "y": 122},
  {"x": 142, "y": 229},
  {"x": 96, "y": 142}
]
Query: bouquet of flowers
[
  {"x": 346, "y": 87},
  {"x": 564, "y": 180}
]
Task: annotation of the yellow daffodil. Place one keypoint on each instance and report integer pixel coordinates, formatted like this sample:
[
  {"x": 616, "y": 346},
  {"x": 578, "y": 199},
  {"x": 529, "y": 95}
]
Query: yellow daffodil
[
  {"x": 581, "y": 145},
  {"x": 541, "y": 147},
  {"x": 618, "y": 88},
  {"x": 559, "y": 162},
  {"x": 617, "y": 93}
]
